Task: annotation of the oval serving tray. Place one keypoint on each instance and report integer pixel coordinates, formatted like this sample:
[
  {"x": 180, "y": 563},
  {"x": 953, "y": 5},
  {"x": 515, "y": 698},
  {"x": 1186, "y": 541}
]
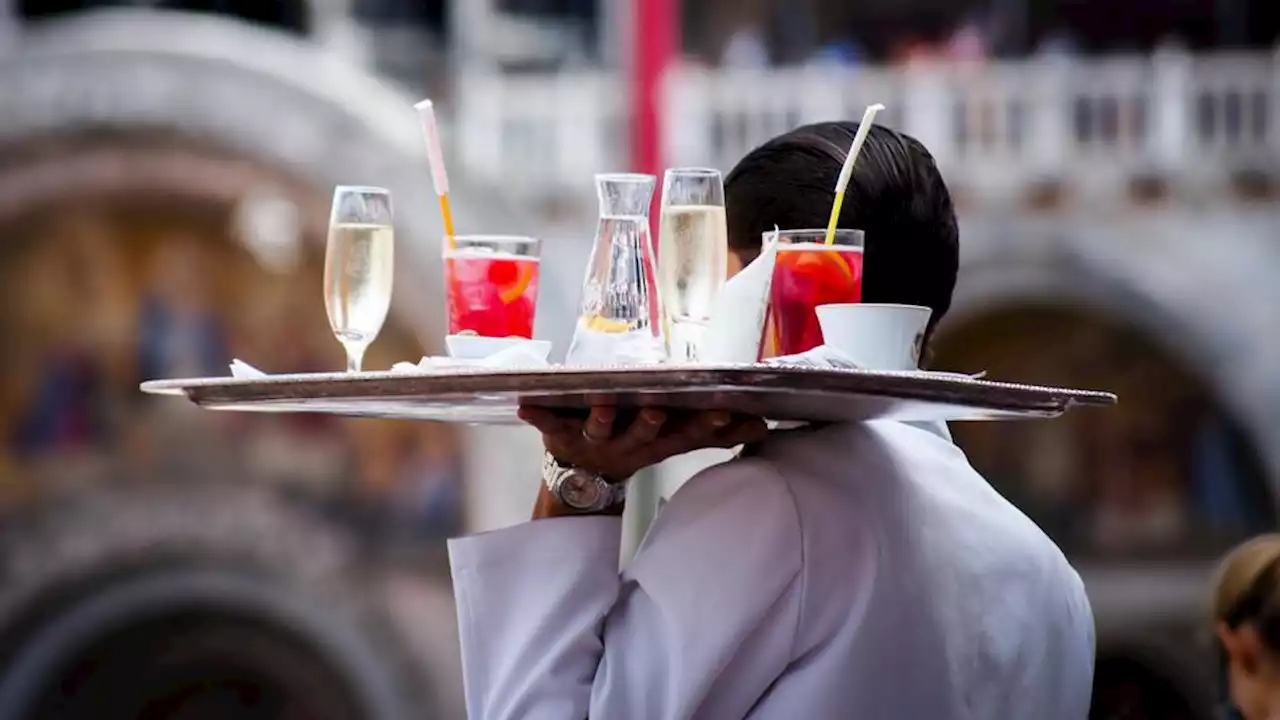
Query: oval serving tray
[{"x": 776, "y": 392}]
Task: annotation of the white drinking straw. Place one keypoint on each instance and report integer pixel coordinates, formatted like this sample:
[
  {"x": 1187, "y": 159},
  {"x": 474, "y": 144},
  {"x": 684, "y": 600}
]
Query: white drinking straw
[
  {"x": 846, "y": 171},
  {"x": 435, "y": 157}
]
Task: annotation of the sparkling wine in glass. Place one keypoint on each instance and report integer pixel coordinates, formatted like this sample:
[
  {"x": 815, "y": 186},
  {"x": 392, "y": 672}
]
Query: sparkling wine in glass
[
  {"x": 358, "y": 268},
  {"x": 693, "y": 253}
]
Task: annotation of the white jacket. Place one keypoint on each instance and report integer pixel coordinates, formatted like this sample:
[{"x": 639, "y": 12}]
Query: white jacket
[{"x": 851, "y": 571}]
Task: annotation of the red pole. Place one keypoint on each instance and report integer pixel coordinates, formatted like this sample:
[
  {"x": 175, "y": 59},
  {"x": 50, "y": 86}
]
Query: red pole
[{"x": 654, "y": 44}]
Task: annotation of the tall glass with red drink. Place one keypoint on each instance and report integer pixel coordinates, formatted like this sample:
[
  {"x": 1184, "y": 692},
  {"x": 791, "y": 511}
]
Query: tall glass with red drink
[
  {"x": 491, "y": 285},
  {"x": 809, "y": 273}
]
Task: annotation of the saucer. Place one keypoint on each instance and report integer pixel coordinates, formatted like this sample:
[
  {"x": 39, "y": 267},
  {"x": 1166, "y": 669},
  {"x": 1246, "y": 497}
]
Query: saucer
[{"x": 477, "y": 347}]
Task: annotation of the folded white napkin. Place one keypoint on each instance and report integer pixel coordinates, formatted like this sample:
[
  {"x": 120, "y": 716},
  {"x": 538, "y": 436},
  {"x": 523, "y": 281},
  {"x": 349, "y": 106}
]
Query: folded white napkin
[
  {"x": 736, "y": 321},
  {"x": 823, "y": 356},
  {"x": 517, "y": 357},
  {"x": 244, "y": 371}
]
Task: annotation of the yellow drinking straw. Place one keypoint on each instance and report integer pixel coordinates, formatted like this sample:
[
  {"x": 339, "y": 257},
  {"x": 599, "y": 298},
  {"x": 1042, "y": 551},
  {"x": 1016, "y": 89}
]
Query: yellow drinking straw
[
  {"x": 427, "y": 113},
  {"x": 846, "y": 171}
]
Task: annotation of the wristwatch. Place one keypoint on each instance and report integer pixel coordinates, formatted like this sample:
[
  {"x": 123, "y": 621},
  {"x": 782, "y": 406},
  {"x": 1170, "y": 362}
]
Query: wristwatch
[{"x": 580, "y": 490}]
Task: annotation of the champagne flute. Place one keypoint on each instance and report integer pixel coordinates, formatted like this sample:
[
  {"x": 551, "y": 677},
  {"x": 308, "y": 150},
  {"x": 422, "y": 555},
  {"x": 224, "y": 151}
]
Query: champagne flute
[
  {"x": 358, "y": 267},
  {"x": 693, "y": 249}
]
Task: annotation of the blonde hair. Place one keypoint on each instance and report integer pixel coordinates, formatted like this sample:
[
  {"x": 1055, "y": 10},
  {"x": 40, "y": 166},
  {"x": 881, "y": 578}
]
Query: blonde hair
[{"x": 1246, "y": 589}]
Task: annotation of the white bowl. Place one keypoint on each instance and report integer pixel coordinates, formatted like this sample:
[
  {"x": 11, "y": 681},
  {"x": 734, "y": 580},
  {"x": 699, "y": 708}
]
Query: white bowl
[{"x": 476, "y": 347}]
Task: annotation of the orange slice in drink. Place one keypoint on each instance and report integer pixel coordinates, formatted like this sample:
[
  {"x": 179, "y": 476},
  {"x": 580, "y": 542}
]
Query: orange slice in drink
[
  {"x": 846, "y": 270},
  {"x": 819, "y": 261},
  {"x": 512, "y": 280}
]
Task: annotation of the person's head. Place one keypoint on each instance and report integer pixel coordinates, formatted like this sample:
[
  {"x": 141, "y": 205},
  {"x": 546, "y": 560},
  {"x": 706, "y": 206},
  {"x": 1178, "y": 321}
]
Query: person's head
[
  {"x": 1246, "y": 616},
  {"x": 896, "y": 196}
]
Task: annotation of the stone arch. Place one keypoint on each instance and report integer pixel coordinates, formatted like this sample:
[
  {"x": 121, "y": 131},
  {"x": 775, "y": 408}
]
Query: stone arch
[
  {"x": 202, "y": 105},
  {"x": 308, "y": 18},
  {"x": 1169, "y": 473},
  {"x": 1194, "y": 288},
  {"x": 252, "y": 93},
  {"x": 287, "y": 104},
  {"x": 1195, "y": 283}
]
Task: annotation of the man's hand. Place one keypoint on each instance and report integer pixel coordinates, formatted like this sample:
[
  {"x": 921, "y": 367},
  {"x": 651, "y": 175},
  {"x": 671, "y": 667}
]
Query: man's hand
[{"x": 594, "y": 444}]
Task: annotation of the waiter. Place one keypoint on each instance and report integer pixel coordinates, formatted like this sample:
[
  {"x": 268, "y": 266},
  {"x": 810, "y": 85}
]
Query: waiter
[{"x": 860, "y": 570}]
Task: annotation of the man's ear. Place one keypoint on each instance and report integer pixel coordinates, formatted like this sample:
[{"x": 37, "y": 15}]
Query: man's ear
[
  {"x": 1242, "y": 645},
  {"x": 736, "y": 263}
]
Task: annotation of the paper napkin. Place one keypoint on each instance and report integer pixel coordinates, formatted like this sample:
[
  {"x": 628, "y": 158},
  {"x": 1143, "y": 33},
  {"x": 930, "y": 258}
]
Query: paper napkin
[
  {"x": 736, "y": 320},
  {"x": 516, "y": 357},
  {"x": 244, "y": 371},
  {"x": 823, "y": 356}
]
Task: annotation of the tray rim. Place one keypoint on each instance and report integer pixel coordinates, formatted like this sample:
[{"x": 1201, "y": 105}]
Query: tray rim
[{"x": 756, "y": 377}]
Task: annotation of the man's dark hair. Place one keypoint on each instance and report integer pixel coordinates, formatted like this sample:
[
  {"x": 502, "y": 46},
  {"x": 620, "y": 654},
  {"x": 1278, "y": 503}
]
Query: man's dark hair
[{"x": 896, "y": 196}]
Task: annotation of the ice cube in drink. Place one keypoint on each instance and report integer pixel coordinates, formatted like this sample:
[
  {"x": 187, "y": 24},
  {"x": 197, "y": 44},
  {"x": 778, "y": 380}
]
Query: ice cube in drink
[
  {"x": 805, "y": 276},
  {"x": 491, "y": 294}
]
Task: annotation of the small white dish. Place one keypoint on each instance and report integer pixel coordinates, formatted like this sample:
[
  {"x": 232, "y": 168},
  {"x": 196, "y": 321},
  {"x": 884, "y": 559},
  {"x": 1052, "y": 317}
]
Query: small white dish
[
  {"x": 476, "y": 347},
  {"x": 876, "y": 336}
]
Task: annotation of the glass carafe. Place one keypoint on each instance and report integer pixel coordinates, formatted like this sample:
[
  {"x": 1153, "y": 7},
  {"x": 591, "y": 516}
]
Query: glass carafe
[{"x": 620, "y": 317}]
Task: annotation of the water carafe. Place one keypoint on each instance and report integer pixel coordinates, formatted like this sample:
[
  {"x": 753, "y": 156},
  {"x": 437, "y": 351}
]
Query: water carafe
[{"x": 620, "y": 317}]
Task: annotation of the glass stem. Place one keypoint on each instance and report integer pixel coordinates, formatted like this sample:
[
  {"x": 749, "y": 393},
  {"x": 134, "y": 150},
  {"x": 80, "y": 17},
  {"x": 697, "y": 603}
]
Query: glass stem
[
  {"x": 355, "y": 357},
  {"x": 684, "y": 340},
  {"x": 686, "y": 350}
]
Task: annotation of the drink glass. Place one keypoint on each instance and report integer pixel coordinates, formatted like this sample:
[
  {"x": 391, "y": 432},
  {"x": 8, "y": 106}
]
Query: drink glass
[
  {"x": 809, "y": 273},
  {"x": 620, "y": 315},
  {"x": 693, "y": 249},
  {"x": 359, "y": 265},
  {"x": 491, "y": 284}
]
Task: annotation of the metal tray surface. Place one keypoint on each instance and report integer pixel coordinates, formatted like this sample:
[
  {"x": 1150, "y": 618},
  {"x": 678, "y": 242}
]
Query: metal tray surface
[{"x": 776, "y": 392}]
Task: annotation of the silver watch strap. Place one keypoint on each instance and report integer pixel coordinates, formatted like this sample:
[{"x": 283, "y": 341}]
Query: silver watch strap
[{"x": 554, "y": 474}]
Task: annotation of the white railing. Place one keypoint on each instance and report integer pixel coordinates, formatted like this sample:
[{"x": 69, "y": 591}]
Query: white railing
[{"x": 992, "y": 127}]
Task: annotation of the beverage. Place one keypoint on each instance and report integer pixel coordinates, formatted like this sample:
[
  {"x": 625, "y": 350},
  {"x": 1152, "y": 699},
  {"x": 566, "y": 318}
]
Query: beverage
[
  {"x": 359, "y": 262},
  {"x": 492, "y": 294},
  {"x": 620, "y": 315},
  {"x": 627, "y": 302},
  {"x": 692, "y": 251},
  {"x": 805, "y": 276},
  {"x": 358, "y": 270}
]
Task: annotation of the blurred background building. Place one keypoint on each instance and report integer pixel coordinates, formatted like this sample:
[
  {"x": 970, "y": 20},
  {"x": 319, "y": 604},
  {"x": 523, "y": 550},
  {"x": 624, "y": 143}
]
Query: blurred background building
[{"x": 165, "y": 173}]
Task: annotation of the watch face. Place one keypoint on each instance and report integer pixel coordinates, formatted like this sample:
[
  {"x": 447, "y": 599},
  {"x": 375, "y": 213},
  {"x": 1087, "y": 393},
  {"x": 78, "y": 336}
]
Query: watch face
[{"x": 580, "y": 491}]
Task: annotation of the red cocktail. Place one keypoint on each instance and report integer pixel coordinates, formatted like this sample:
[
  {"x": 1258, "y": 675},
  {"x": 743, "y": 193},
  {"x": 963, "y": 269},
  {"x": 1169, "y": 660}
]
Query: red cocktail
[
  {"x": 491, "y": 285},
  {"x": 809, "y": 273}
]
